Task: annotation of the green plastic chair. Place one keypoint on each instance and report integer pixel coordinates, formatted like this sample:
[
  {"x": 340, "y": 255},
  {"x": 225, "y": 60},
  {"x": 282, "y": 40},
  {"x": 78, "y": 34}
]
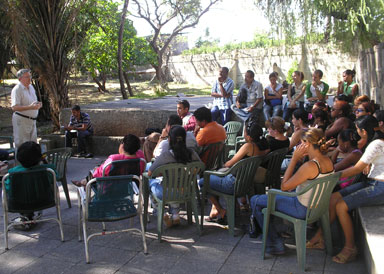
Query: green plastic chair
[
  {"x": 109, "y": 199},
  {"x": 59, "y": 157},
  {"x": 11, "y": 149},
  {"x": 232, "y": 129},
  {"x": 273, "y": 161},
  {"x": 244, "y": 171},
  {"x": 212, "y": 155},
  {"x": 30, "y": 191},
  {"x": 318, "y": 210},
  {"x": 179, "y": 186}
]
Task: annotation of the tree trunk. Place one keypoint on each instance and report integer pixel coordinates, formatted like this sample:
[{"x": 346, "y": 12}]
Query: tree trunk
[
  {"x": 100, "y": 85},
  {"x": 120, "y": 50},
  {"x": 43, "y": 97},
  {"x": 128, "y": 84}
]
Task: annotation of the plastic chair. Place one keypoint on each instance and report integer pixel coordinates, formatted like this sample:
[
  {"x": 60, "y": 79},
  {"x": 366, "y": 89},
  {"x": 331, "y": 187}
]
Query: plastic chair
[
  {"x": 59, "y": 157},
  {"x": 11, "y": 149},
  {"x": 212, "y": 155},
  {"x": 318, "y": 209},
  {"x": 273, "y": 161},
  {"x": 179, "y": 186},
  {"x": 30, "y": 191},
  {"x": 244, "y": 171},
  {"x": 109, "y": 199},
  {"x": 232, "y": 129}
]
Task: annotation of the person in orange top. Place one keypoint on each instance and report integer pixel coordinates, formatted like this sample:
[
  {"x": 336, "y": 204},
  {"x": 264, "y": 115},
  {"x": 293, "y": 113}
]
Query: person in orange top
[{"x": 207, "y": 131}]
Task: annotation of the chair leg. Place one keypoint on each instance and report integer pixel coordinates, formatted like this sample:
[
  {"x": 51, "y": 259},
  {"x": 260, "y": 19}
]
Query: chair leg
[
  {"x": 202, "y": 204},
  {"x": 231, "y": 215},
  {"x": 58, "y": 211},
  {"x": 325, "y": 226},
  {"x": 196, "y": 214},
  {"x": 189, "y": 212},
  {"x": 80, "y": 217},
  {"x": 6, "y": 229},
  {"x": 160, "y": 214},
  {"x": 142, "y": 230},
  {"x": 301, "y": 236},
  {"x": 145, "y": 198},
  {"x": 66, "y": 192},
  {"x": 85, "y": 241},
  {"x": 265, "y": 233}
]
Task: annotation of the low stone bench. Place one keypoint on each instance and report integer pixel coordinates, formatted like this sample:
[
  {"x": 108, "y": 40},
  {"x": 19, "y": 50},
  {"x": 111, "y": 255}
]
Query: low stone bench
[
  {"x": 372, "y": 237},
  {"x": 98, "y": 145}
]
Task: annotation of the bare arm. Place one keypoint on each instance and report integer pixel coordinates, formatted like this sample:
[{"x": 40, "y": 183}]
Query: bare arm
[
  {"x": 239, "y": 155},
  {"x": 351, "y": 159},
  {"x": 356, "y": 169}
]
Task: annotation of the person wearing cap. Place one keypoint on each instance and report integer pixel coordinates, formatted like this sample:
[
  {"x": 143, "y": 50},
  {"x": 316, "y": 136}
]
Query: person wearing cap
[
  {"x": 189, "y": 121},
  {"x": 25, "y": 109},
  {"x": 222, "y": 92}
]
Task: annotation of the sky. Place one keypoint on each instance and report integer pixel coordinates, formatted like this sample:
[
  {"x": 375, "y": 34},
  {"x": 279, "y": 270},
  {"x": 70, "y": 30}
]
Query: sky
[{"x": 229, "y": 21}]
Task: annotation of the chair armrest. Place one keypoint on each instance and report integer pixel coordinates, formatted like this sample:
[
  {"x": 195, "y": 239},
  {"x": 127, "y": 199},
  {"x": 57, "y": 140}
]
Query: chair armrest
[{"x": 217, "y": 173}]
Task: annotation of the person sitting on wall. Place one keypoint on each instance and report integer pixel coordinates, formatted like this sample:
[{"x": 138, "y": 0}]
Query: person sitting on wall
[
  {"x": 81, "y": 123},
  {"x": 189, "y": 121},
  {"x": 348, "y": 87},
  {"x": 249, "y": 100},
  {"x": 316, "y": 90},
  {"x": 222, "y": 92}
]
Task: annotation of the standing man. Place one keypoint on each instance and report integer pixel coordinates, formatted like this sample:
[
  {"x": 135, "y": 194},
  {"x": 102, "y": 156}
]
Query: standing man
[
  {"x": 254, "y": 106},
  {"x": 189, "y": 121},
  {"x": 25, "y": 109},
  {"x": 222, "y": 92},
  {"x": 80, "y": 122}
]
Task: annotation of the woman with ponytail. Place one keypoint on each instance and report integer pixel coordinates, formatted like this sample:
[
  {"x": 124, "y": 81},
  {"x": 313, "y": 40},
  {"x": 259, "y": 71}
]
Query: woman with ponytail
[
  {"x": 367, "y": 193},
  {"x": 177, "y": 153},
  {"x": 314, "y": 145},
  {"x": 256, "y": 145}
]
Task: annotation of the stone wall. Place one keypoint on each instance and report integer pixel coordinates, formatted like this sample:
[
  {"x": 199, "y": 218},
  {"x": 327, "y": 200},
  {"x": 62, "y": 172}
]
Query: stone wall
[{"x": 203, "y": 69}]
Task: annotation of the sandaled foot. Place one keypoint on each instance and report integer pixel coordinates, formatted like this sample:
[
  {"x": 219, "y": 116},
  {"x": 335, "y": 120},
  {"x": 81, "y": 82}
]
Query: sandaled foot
[
  {"x": 77, "y": 183},
  {"x": 346, "y": 255},
  {"x": 316, "y": 245}
]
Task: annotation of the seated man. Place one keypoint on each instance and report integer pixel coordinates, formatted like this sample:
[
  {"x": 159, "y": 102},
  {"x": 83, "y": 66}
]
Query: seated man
[
  {"x": 30, "y": 157},
  {"x": 253, "y": 96},
  {"x": 207, "y": 131},
  {"x": 189, "y": 121},
  {"x": 316, "y": 90},
  {"x": 81, "y": 122},
  {"x": 222, "y": 92},
  {"x": 163, "y": 144}
]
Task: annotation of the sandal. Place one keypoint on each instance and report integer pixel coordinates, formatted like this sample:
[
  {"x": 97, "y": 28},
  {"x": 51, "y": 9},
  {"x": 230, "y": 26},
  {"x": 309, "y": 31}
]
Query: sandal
[
  {"x": 343, "y": 258},
  {"x": 77, "y": 183},
  {"x": 317, "y": 245}
]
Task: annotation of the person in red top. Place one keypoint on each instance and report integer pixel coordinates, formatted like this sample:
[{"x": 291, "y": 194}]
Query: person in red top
[
  {"x": 207, "y": 131},
  {"x": 189, "y": 120}
]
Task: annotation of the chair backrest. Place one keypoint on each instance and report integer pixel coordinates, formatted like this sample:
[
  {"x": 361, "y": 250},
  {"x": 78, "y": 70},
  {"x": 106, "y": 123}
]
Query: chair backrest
[
  {"x": 244, "y": 171},
  {"x": 212, "y": 155},
  {"x": 321, "y": 193},
  {"x": 232, "y": 129},
  {"x": 124, "y": 167},
  {"x": 179, "y": 180},
  {"x": 273, "y": 161},
  {"x": 59, "y": 157},
  {"x": 105, "y": 194},
  {"x": 30, "y": 190}
]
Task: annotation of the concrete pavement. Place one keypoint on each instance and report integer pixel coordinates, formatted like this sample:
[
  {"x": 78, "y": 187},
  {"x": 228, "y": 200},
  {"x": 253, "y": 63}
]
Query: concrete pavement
[{"x": 182, "y": 251}]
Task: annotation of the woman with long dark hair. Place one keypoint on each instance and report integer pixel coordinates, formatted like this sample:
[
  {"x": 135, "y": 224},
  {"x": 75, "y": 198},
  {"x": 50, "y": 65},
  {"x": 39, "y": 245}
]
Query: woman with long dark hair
[
  {"x": 256, "y": 145},
  {"x": 177, "y": 153}
]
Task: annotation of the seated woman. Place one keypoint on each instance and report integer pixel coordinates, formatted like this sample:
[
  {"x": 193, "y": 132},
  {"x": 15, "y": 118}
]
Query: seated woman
[
  {"x": 347, "y": 140},
  {"x": 128, "y": 149},
  {"x": 295, "y": 95},
  {"x": 340, "y": 114},
  {"x": 365, "y": 108},
  {"x": 313, "y": 145},
  {"x": 366, "y": 193},
  {"x": 256, "y": 145},
  {"x": 276, "y": 138},
  {"x": 30, "y": 157},
  {"x": 348, "y": 87},
  {"x": 300, "y": 122},
  {"x": 320, "y": 118},
  {"x": 177, "y": 153},
  {"x": 273, "y": 95}
]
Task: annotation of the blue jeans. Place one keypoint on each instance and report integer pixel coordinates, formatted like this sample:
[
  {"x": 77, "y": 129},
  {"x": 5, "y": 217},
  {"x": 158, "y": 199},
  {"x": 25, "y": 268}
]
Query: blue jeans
[
  {"x": 157, "y": 190},
  {"x": 222, "y": 184},
  {"x": 275, "y": 111},
  {"x": 363, "y": 194},
  {"x": 288, "y": 205},
  {"x": 225, "y": 114},
  {"x": 287, "y": 112},
  {"x": 245, "y": 115}
]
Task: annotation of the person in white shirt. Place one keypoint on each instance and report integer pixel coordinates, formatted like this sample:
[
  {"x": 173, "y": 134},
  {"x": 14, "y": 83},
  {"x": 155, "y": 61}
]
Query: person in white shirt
[{"x": 25, "y": 109}]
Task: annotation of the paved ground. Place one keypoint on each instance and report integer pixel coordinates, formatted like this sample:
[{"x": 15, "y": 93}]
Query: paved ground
[{"x": 183, "y": 251}]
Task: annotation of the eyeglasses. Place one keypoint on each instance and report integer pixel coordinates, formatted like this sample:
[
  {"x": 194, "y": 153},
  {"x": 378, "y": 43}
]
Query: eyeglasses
[{"x": 360, "y": 110}]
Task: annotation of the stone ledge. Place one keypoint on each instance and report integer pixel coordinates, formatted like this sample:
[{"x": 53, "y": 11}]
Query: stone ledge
[
  {"x": 99, "y": 145},
  {"x": 372, "y": 224}
]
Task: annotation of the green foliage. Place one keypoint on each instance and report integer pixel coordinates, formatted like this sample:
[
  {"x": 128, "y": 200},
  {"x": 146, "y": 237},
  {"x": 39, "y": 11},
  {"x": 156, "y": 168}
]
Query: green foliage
[
  {"x": 294, "y": 67},
  {"x": 99, "y": 52}
]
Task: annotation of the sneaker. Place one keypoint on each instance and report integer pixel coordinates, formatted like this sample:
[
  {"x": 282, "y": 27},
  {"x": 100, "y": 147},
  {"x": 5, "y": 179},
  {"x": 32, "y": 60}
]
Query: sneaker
[{"x": 22, "y": 227}]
